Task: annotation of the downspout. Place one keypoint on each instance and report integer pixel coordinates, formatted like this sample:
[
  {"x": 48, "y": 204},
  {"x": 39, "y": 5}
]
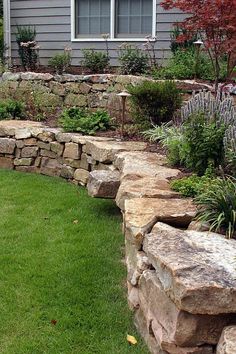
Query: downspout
[{"x": 7, "y": 29}]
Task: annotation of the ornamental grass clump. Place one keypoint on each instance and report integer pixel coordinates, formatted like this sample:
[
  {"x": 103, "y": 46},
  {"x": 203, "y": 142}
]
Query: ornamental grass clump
[
  {"x": 217, "y": 206},
  {"x": 27, "y": 47}
]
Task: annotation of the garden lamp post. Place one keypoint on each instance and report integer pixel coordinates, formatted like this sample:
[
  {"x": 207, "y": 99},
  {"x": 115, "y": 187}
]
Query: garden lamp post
[
  {"x": 198, "y": 45},
  {"x": 123, "y": 95}
]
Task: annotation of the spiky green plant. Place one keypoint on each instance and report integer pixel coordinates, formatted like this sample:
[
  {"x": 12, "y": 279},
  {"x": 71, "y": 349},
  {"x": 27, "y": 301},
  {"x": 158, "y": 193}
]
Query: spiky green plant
[{"x": 217, "y": 206}]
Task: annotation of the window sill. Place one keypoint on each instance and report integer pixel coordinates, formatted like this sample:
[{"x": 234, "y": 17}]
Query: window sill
[{"x": 111, "y": 40}]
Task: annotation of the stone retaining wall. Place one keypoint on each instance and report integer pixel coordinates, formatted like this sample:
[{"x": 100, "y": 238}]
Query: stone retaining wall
[{"x": 181, "y": 282}]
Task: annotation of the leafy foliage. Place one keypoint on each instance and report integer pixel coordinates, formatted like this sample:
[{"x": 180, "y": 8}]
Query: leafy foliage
[
  {"x": 217, "y": 205},
  {"x": 61, "y": 62},
  {"x": 132, "y": 60},
  {"x": 11, "y": 109},
  {"x": 176, "y": 45},
  {"x": 154, "y": 102},
  {"x": 83, "y": 121},
  {"x": 27, "y": 46},
  {"x": 95, "y": 61}
]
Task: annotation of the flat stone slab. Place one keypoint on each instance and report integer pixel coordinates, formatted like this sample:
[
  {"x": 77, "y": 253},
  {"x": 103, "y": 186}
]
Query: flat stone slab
[
  {"x": 105, "y": 151},
  {"x": 196, "y": 269},
  {"x": 146, "y": 187},
  {"x": 142, "y": 214},
  {"x": 227, "y": 343},
  {"x": 103, "y": 184},
  {"x": 9, "y": 127},
  {"x": 144, "y": 164}
]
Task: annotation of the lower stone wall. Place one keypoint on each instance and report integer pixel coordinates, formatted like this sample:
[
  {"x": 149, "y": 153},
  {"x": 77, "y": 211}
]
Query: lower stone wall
[{"x": 181, "y": 282}]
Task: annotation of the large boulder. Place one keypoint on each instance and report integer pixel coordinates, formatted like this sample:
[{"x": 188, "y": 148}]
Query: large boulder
[
  {"x": 146, "y": 187},
  {"x": 196, "y": 269},
  {"x": 103, "y": 184},
  {"x": 142, "y": 214},
  {"x": 227, "y": 343},
  {"x": 105, "y": 151}
]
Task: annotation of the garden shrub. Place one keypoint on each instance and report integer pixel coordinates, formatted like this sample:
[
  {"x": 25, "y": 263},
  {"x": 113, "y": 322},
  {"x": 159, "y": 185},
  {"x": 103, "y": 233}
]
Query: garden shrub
[
  {"x": 132, "y": 60},
  {"x": 84, "y": 121},
  {"x": 27, "y": 47},
  {"x": 95, "y": 61},
  {"x": 61, "y": 62},
  {"x": 217, "y": 206},
  {"x": 11, "y": 109},
  {"x": 154, "y": 102}
]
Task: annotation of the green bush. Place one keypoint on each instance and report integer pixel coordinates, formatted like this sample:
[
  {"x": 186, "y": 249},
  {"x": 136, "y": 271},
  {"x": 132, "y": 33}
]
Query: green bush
[
  {"x": 217, "y": 206},
  {"x": 95, "y": 61},
  {"x": 192, "y": 186},
  {"x": 27, "y": 46},
  {"x": 205, "y": 142},
  {"x": 83, "y": 121},
  {"x": 154, "y": 102},
  {"x": 182, "y": 65},
  {"x": 60, "y": 62},
  {"x": 132, "y": 60},
  {"x": 11, "y": 109}
]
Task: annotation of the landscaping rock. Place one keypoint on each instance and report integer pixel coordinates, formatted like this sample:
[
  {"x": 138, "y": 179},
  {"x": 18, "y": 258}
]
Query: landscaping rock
[
  {"x": 7, "y": 146},
  {"x": 57, "y": 148},
  {"x": 50, "y": 167},
  {"x": 22, "y": 133},
  {"x": 103, "y": 184},
  {"x": 177, "y": 326},
  {"x": 36, "y": 76},
  {"x": 72, "y": 151},
  {"x": 29, "y": 151},
  {"x": 105, "y": 151},
  {"x": 142, "y": 214},
  {"x": 192, "y": 269},
  {"x": 76, "y": 100},
  {"x": 81, "y": 175},
  {"x": 23, "y": 162},
  {"x": 30, "y": 142},
  {"x": 227, "y": 343},
  {"x": 9, "y": 76},
  {"x": 146, "y": 187},
  {"x": 63, "y": 137},
  {"x": 144, "y": 164},
  {"x": 6, "y": 162},
  {"x": 28, "y": 169},
  {"x": 67, "y": 172}
]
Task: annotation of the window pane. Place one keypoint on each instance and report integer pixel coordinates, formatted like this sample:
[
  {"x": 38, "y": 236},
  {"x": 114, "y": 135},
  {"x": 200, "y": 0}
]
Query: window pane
[
  {"x": 133, "y": 17},
  {"x": 93, "y": 17}
]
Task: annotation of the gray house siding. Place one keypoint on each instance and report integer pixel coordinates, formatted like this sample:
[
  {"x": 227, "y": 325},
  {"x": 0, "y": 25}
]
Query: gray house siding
[{"x": 52, "y": 19}]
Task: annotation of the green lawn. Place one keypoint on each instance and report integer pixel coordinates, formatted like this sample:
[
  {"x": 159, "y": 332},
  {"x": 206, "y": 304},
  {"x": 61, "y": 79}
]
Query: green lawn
[{"x": 62, "y": 280}]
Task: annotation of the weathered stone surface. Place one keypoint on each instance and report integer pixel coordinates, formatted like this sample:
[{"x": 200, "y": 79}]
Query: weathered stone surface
[
  {"x": 9, "y": 76},
  {"x": 6, "y": 162},
  {"x": 146, "y": 187},
  {"x": 57, "y": 148},
  {"x": 20, "y": 144},
  {"x": 50, "y": 167},
  {"x": 29, "y": 151},
  {"x": 28, "y": 169},
  {"x": 227, "y": 343},
  {"x": 84, "y": 88},
  {"x": 196, "y": 269},
  {"x": 69, "y": 162},
  {"x": 106, "y": 151},
  {"x": 84, "y": 162},
  {"x": 67, "y": 172},
  {"x": 76, "y": 100},
  {"x": 72, "y": 151},
  {"x": 7, "y": 146},
  {"x": 144, "y": 164},
  {"x": 63, "y": 137},
  {"x": 141, "y": 215},
  {"x": 48, "y": 153},
  {"x": 44, "y": 146},
  {"x": 23, "y": 162},
  {"x": 46, "y": 136},
  {"x": 22, "y": 133},
  {"x": 57, "y": 88},
  {"x": 36, "y": 76},
  {"x": 178, "y": 327},
  {"x": 30, "y": 142},
  {"x": 81, "y": 176},
  {"x": 103, "y": 184}
]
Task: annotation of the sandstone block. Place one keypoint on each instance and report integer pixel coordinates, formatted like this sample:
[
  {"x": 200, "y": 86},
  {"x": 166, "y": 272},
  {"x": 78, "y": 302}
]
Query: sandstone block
[
  {"x": 36, "y": 76},
  {"x": 48, "y": 153},
  {"x": 72, "y": 151},
  {"x": 178, "y": 327},
  {"x": 141, "y": 215},
  {"x": 7, "y": 146},
  {"x": 227, "y": 343},
  {"x": 84, "y": 88},
  {"x": 67, "y": 172},
  {"x": 57, "y": 88},
  {"x": 27, "y": 161},
  {"x": 22, "y": 133},
  {"x": 30, "y": 142},
  {"x": 42, "y": 145},
  {"x": 37, "y": 161},
  {"x": 28, "y": 169},
  {"x": 63, "y": 137},
  {"x": 84, "y": 162},
  {"x": 69, "y": 162},
  {"x": 81, "y": 175},
  {"x": 20, "y": 144},
  {"x": 105, "y": 151},
  {"x": 57, "y": 148},
  {"x": 192, "y": 270},
  {"x": 50, "y": 167},
  {"x": 6, "y": 162},
  {"x": 103, "y": 184},
  {"x": 146, "y": 187},
  {"x": 29, "y": 151},
  {"x": 46, "y": 136}
]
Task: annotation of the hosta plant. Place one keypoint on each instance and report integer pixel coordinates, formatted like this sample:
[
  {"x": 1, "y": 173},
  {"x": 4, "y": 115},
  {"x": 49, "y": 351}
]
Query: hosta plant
[{"x": 217, "y": 206}]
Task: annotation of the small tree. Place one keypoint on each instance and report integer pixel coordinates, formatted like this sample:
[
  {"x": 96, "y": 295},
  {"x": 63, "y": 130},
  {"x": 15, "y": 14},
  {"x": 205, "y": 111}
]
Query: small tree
[{"x": 215, "y": 22}]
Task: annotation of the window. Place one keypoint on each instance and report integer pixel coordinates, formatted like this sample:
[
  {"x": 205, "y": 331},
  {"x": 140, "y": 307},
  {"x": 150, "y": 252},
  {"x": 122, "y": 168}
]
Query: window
[{"x": 121, "y": 19}]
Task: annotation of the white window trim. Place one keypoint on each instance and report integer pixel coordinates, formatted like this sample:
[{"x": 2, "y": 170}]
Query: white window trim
[{"x": 112, "y": 29}]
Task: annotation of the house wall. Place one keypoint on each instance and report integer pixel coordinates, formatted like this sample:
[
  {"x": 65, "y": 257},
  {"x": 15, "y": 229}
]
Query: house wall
[{"x": 53, "y": 24}]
